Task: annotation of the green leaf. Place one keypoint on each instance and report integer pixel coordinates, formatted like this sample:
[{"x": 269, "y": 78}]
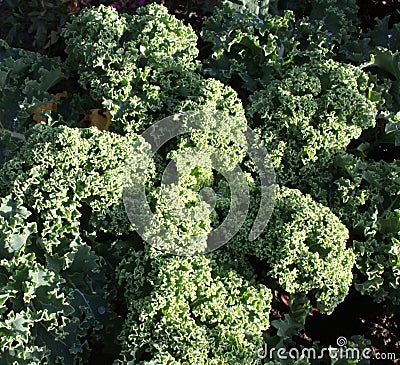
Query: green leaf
[{"x": 387, "y": 61}]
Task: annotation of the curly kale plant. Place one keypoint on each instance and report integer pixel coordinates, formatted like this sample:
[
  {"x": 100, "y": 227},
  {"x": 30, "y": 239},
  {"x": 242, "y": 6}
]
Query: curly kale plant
[
  {"x": 134, "y": 65},
  {"x": 213, "y": 145},
  {"x": 309, "y": 116},
  {"x": 72, "y": 180},
  {"x": 303, "y": 248},
  {"x": 194, "y": 310},
  {"x": 41, "y": 19},
  {"x": 54, "y": 279},
  {"x": 367, "y": 199},
  {"x": 142, "y": 67},
  {"x": 252, "y": 51},
  {"x": 26, "y": 79},
  {"x": 46, "y": 314}
]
